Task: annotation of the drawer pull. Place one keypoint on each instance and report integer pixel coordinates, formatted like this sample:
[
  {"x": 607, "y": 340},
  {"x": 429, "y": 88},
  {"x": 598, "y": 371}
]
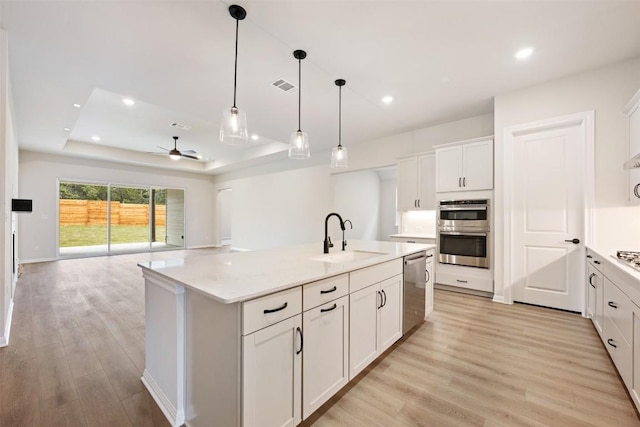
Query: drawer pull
[
  {"x": 384, "y": 294},
  {"x": 612, "y": 304},
  {"x": 380, "y": 295},
  {"x": 591, "y": 276},
  {"x": 329, "y": 290},
  {"x": 324, "y": 310},
  {"x": 301, "y": 342},
  {"x": 596, "y": 261},
  {"x": 273, "y": 310},
  {"x": 589, "y": 256},
  {"x": 612, "y": 343},
  {"x": 411, "y": 241},
  {"x": 429, "y": 256},
  {"x": 428, "y": 278},
  {"x": 462, "y": 281},
  {"x": 635, "y": 191}
]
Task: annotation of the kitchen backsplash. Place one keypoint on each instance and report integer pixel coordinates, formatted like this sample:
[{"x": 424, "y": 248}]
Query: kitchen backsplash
[{"x": 421, "y": 222}]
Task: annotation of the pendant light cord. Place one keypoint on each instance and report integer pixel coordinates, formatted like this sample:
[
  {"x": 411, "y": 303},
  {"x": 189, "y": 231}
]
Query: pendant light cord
[
  {"x": 235, "y": 67},
  {"x": 340, "y": 116},
  {"x": 299, "y": 91}
]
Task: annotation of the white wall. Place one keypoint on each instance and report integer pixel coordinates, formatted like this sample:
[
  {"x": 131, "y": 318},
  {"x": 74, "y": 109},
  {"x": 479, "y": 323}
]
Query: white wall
[
  {"x": 387, "y": 207},
  {"x": 8, "y": 190},
  {"x": 39, "y": 173},
  {"x": 225, "y": 199},
  {"x": 357, "y": 198},
  {"x": 607, "y": 91},
  {"x": 280, "y": 208},
  {"x": 277, "y": 208}
]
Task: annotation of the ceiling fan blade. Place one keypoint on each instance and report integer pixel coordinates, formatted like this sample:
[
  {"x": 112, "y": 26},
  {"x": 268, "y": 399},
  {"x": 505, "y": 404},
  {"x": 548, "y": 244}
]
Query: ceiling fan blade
[
  {"x": 190, "y": 152},
  {"x": 189, "y": 156},
  {"x": 162, "y": 148}
]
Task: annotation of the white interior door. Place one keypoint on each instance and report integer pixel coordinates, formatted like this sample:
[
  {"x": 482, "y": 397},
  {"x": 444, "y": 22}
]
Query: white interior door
[{"x": 547, "y": 210}]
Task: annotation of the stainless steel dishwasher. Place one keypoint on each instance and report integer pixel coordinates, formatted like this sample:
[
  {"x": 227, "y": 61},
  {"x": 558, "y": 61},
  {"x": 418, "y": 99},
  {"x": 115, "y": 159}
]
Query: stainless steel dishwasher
[{"x": 414, "y": 292}]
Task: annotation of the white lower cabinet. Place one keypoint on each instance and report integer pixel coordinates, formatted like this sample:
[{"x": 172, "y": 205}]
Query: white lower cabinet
[
  {"x": 375, "y": 322},
  {"x": 428, "y": 298},
  {"x": 595, "y": 285},
  {"x": 272, "y": 375},
  {"x": 325, "y": 361},
  {"x": 635, "y": 386}
]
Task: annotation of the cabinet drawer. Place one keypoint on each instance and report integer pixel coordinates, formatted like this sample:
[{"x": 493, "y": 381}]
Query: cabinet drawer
[
  {"x": 618, "y": 309},
  {"x": 594, "y": 259},
  {"x": 262, "y": 312},
  {"x": 468, "y": 282},
  {"x": 619, "y": 350},
  {"x": 317, "y": 293},
  {"x": 360, "y": 279}
]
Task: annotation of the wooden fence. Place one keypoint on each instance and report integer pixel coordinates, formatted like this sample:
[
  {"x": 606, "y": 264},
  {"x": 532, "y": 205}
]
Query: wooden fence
[{"x": 94, "y": 212}]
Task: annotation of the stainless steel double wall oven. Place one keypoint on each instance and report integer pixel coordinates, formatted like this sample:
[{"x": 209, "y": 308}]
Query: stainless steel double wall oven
[{"x": 463, "y": 232}]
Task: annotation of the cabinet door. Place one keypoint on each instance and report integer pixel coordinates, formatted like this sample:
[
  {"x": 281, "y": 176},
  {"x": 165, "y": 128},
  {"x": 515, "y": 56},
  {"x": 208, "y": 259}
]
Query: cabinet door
[
  {"x": 428, "y": 300},
  {"x": 634, "y": 149},
  {"x": 449, "y": 169},
  {"x": 427, "y": 181},
  {"x": 271, "y": 375},
  {"x": 591, "y": 293},
  {"x": 390, "y": 314},
  {"x": 477, "y": 165},
  {"x": 363, "y": 328},
  {"x": 408, "y": 184},
  {"x": 635, "y": 387},
  {"x": 598, "y": 280},
  {"x": 325, "y": 365}
]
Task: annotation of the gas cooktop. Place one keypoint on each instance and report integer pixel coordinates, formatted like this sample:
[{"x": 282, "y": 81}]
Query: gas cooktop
[{"x": 630, "y": 258}]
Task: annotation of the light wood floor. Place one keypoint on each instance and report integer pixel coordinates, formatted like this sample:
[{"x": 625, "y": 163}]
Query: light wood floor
[{"x": 77, "y": 353}]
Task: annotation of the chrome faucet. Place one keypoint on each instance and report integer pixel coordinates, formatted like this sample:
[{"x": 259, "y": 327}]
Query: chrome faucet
[{"x": 327, "y": 239}]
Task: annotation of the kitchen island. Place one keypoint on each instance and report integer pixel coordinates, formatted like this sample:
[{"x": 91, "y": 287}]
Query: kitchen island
[{"x": 230, "y": 337}]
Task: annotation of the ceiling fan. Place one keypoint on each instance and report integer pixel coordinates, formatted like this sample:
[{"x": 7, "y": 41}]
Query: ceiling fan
[{"x": 176, "y": 154}]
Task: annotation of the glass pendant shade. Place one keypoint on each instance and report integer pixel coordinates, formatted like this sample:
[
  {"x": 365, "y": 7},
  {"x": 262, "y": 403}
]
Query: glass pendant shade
[
  {"x": 339, "y": 158},
  {"x": 233, "y": 129},
  {"x": 299, "y": 146}
]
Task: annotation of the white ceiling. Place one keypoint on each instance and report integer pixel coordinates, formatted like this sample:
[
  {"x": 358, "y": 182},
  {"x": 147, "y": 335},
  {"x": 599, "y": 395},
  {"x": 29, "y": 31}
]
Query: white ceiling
[{"x": 441, "y": 61}]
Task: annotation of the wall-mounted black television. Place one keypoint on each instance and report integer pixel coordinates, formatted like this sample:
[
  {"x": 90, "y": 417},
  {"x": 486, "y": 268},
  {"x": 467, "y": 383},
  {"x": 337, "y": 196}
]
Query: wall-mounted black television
[{"x": 21, "y": 205}]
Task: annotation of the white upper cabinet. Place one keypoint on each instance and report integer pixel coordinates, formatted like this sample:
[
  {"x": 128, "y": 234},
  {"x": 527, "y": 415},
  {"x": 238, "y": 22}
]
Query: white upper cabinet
[
  {"x": 465, "y": 166},
  {"x": 416, "y": 183},
  {"x": 633, "y": 114}
]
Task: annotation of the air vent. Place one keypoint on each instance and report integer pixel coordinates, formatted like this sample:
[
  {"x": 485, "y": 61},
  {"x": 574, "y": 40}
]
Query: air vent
[
  {"x": 180, "y": 126},
  {"x": 285, "y": 86}
]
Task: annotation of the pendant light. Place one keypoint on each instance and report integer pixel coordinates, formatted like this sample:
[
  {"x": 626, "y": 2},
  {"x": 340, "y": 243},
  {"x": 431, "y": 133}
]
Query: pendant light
[
  {"x": 233, "y": 130},
  {"x": 339, "y": 156},
  {"x": 299, "y": 141}
]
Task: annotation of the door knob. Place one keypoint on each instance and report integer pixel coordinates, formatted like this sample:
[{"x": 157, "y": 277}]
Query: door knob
[{"x": 574, "y": 241}]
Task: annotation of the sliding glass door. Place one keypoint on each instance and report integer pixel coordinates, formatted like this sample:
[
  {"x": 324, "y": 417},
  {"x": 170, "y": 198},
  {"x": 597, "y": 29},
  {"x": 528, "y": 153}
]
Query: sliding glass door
[
  {"x": 83, "y": 221},
  {"x": 100, "y": 219}
]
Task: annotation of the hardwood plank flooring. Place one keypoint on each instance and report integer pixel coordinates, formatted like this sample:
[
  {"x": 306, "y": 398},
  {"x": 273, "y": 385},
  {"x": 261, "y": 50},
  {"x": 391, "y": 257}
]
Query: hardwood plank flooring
[{"x": 76, "y": 356}]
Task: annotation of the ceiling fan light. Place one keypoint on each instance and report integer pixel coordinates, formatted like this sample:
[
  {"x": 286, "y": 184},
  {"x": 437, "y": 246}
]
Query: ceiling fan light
[
  {"x": 174, "y": 154},
  {"x": 339, "y": 158},
  {"x": 233, "y": 129},
  {"x": 299, "y": 145}
]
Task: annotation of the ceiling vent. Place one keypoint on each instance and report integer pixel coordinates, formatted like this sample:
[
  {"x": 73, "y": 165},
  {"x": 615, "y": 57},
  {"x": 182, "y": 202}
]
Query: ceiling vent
[
  {"x": 180, "y": 126},
  {"x": 285, "y": 86}
]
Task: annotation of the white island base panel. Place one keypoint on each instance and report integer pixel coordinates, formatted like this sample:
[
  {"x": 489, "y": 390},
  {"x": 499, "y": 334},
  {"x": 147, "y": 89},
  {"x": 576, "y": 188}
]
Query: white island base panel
[
  {"x": 200, "y": 357},
  {"x": 165, "y": 329}
]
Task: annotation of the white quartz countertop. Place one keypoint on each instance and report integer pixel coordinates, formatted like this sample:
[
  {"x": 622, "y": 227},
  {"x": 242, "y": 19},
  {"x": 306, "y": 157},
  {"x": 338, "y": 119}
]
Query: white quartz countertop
[
  {"x": 413, "y": 236},
  {"x": 609, "y": 255},
  {"x": 240, "y": 276}
]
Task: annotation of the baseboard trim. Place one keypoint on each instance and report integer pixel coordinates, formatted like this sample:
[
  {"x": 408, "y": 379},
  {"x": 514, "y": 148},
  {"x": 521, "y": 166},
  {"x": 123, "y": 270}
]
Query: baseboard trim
[
  {"x": 500, "y": 299},
  {"x": 32, "y": 261},
  {"x": 176, "y": 418},
  {"x": 204, "y": 246},
  {"x": 4, "y": 340}
]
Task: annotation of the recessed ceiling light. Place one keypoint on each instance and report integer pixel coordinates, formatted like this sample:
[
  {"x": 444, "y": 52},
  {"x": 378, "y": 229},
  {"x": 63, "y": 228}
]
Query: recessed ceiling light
[
  {"x": 96, "y": 138},
  {"x": 524, "y": 53},
  {"x": 128, "y": 101},
  {"x": 76, "y": 105},
  {"x": 67, "y": 129},
  {"x": 387, "y": 99},
  {"x": 254, "y": 137}
]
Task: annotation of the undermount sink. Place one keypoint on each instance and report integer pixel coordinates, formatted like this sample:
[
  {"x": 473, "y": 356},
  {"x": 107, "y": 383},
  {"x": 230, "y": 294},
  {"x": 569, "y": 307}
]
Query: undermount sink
[{"x": 347, "y": 256}]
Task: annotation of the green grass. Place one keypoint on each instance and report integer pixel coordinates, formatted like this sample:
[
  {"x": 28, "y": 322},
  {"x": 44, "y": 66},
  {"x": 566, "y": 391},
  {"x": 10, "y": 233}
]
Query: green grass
[{"x": 90, "y": 235}]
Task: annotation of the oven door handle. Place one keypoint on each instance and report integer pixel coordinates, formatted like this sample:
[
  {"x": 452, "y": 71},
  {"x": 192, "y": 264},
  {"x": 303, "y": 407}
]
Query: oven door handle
[
  {"x": 466, "y": 208},
  {"x": 463, "y": 233}
]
